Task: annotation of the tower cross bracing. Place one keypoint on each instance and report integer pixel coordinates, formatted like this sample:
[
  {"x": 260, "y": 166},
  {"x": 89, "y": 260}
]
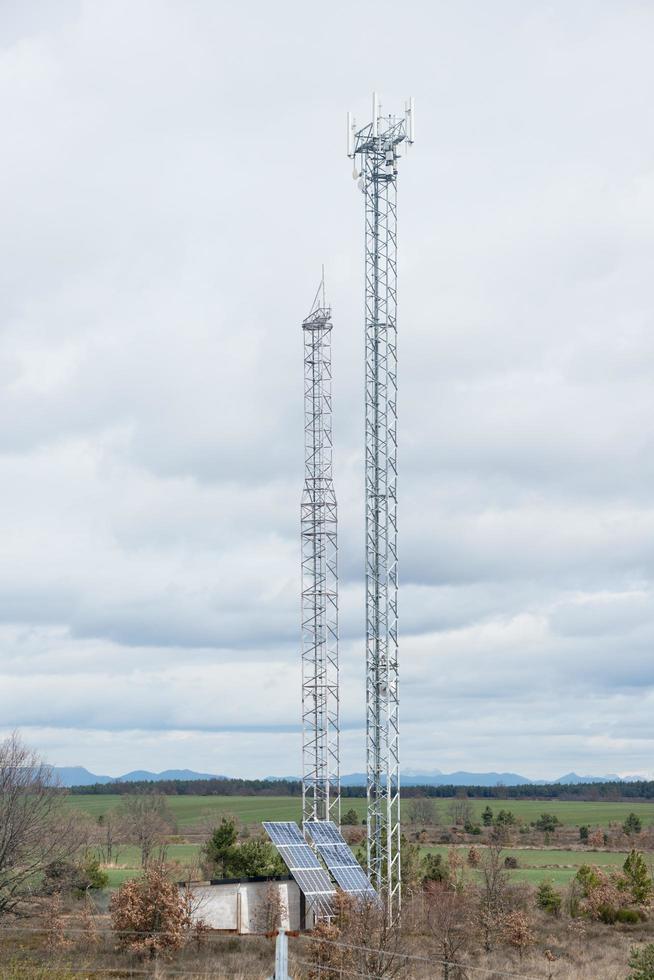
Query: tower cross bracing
[{"x": 320, "y": 698}]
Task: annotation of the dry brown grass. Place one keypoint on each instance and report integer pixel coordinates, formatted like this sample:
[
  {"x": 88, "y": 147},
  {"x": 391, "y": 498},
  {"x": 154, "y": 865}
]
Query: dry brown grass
[{"x": 582, "y": 950}]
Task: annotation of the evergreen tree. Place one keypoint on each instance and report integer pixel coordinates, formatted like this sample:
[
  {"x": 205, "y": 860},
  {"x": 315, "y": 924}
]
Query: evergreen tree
[
  {"x": 219, "y": 851},
  {"x": 350, "y": 818},
  {"x": 632, "y": 824},
  {"x": 547, "y": 898},
  {"x": 638, "y": 877}
]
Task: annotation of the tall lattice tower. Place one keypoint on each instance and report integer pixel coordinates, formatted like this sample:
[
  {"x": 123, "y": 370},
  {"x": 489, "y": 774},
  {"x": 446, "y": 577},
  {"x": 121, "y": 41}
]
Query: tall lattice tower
[
  {"x": 375, "y": 148},
  {"x": 320, "y": 704}
]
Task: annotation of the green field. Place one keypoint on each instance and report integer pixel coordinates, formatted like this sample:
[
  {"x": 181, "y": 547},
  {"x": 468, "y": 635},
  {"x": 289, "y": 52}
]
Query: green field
[
  {"x": 534, "y": 863},
  {"x": 560, "y": 866},
  {"x": 192, "y": 810},
  {"x": 130, "y": 856},
  {"x": 128, "y": 860}
]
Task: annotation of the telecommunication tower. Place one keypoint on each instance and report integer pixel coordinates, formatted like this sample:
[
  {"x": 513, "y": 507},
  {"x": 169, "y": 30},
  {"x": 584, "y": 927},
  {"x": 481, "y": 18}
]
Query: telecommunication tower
[
  {"x": 320, "y": 698},
  {"x": 375, "y": 148}
]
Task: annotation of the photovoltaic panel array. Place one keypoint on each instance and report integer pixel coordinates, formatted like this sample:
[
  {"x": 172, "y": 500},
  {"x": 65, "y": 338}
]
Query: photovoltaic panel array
[
  {"x": 336, "y": 853},
  {"x": 303, "y": 864}
]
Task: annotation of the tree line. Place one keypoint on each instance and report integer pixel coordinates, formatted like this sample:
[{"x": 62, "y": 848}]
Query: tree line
[{"x": 600, "y": 792}]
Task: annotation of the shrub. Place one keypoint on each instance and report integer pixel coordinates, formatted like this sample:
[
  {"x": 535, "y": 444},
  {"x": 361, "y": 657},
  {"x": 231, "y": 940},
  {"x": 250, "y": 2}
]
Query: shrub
[
  {"x": 517, "y": 931},
  {"x": 505, "y": 818},
  {"x": 96, "y": 877},
  {"x": 604, "y": 894},
  {"x": 350, "y": 818},
  {"x": 548, "y": 899},
  {"x": 583, "y": 833},
  {"x": 627, "y": 916},
  {"x": 149, "y": 915},
  {"x": 76, "y": 878},
  {"x": 588, "y": 877},
  {"x": 608, "y": 914},
  {"x": 547, "y": 823},
  {"x": 641, "y": 963},
  {"x": 632, "y": 824},
  {"x": 510, "y": 861}
]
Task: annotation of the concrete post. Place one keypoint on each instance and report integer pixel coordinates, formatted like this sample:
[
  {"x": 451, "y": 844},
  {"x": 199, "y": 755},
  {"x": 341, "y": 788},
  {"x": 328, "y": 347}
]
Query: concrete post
[{"x": 281, "y": 956}]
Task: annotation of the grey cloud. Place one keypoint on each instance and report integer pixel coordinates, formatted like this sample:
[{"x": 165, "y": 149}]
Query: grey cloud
[{"x": 170, "y": 193}]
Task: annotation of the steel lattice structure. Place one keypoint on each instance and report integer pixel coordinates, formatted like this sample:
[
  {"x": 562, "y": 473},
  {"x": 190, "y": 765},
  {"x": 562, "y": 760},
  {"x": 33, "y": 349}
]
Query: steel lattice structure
[
  {"x": 320, "y": 701},
  {"x": 375, "y": 148}
]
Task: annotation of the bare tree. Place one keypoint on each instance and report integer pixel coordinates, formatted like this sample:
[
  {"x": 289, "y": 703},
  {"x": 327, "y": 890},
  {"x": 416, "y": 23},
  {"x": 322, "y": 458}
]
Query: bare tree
[
  {"x": 36, "y": 828},
  {"x": 273, "y": 910},
  {"x": 422, "y": 810},
  {"x": 493, "y": 895},
  {"x": 376, "y": 945},
  {"x": 147, "y": 819},
  {"x": 449, "y": 918},
  {"x": 109, "y": 833},
  {"x": 461, "y": 809},
  {"x": 359, "y": 941}
]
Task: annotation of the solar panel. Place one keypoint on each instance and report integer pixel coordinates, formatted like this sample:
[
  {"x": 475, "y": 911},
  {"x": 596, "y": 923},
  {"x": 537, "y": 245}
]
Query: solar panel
[
  {"x": 311, "y": 877},
  {"x": 284, "y": 832},
  {"x": 296, "y": 856},
  {"x": 325, "y": 832},
  {"x": 338, "y": 857}
]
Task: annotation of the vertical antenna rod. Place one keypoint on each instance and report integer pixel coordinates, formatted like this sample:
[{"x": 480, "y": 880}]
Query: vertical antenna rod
[
  {"x": 375, "y": 147},
  {"x": 320, "y": 699}
]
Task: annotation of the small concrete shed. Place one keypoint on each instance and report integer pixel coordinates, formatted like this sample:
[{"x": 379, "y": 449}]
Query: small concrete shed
[{"x": 246, "y": 905}]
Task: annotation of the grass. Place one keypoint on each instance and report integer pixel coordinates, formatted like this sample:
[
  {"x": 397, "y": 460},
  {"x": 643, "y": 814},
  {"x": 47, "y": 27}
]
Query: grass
[
  {"x": 118, "y": 875},
  {"x": 534, "y": 863},
  {"x": 558, "y": 865},
  {"x": 193, "y": 810},
  {"x": 189, "y": 811},
  {"x": 573, "y": 813},
  {"x": 128, "y": 861}
]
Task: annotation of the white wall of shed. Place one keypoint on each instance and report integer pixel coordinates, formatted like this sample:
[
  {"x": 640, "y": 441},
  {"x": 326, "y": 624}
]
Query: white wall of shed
[{"x": 241, "y": 906}]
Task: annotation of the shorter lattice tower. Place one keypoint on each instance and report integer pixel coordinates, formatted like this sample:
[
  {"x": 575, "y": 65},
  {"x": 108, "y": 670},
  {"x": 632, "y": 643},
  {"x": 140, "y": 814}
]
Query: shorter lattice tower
[{"x": 320, "y": 699}]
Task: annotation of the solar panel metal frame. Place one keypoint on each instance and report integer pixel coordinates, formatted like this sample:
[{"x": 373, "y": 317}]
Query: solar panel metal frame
[
  {"x": 312, "y": 879},
  {"x": 338, "y": 856}
]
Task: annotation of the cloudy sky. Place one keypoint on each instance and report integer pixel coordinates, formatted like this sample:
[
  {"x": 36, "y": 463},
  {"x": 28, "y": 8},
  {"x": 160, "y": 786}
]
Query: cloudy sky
[{"x": 173, "y": 175}]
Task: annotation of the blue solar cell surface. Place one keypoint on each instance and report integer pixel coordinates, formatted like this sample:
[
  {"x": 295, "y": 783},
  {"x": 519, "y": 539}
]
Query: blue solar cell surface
[
  {"x": 284, "y": 832},
  {"x": 337, "y": 855},
  {"x": 303, "y": 864}
]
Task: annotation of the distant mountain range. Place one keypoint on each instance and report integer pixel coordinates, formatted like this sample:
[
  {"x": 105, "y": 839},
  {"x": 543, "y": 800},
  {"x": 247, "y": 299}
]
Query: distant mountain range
[
  {"x": 78, "y": 776},
  {"x": 414, "y": 777}
]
